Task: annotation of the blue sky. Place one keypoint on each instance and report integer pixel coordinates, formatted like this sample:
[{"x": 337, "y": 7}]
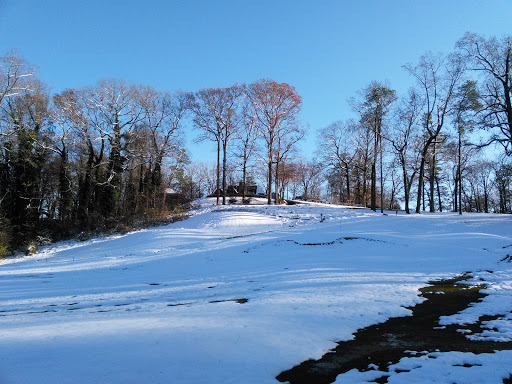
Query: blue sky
[{"x": 326, "y": 49}]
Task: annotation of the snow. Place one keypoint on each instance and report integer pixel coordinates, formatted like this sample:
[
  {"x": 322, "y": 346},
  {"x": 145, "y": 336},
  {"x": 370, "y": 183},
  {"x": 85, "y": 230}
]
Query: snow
[
  {"x": 165, "y": 304},
  {"x": 498, "y": 304},
  {"x": 445, "y": 368}
]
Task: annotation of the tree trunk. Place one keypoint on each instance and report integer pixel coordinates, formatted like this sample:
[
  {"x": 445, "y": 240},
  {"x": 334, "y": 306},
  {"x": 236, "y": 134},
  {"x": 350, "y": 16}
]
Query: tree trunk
[
  {"x": 373, "y": 200},
  {"x": 347, "y": 175},
  {"x": 269, "y": 182},
  {"x": 421, "y": 179},
  {"x": 224, "y": 171},
  {"x": 486, "y": 199},
  {"x": 218, "y": 171},
  {"x": 365, "y": 181},
  {"x": 421, "y": 176},
  {"x": 439, "y": 195},
  {"x": 432, "y": 181},
  {"x": 392, "y": 197},
  {"x": 358, "y": 190},
  {"x": 276, "y": 186},
  {"x": 381, "y": 182},
  {"x": 269, "y": 176},
  {"x": 373, "y": 182},
  {"x": 244, "y": 180},
  {"x": 456, "y": 196},
  {"x": 85, "y": 193},
  {"x": 406, "y": 187},
  {"x": 459, "y": 171},
  {"x": 64, "y": 187}
]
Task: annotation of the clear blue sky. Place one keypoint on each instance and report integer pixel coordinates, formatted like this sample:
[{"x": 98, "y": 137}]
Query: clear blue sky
[{"x": 326, "y": 49}]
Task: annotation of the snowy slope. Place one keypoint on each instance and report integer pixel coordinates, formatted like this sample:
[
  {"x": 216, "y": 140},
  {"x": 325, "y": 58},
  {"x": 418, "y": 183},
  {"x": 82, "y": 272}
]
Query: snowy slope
[{"x": 238, "y": 294}]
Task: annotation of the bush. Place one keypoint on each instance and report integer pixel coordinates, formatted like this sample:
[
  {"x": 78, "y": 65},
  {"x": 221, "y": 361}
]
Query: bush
[
  {"x": 5, "y": 246},
  {"x": 31, "y": 248},
  {"x": 6, "y": 240}
]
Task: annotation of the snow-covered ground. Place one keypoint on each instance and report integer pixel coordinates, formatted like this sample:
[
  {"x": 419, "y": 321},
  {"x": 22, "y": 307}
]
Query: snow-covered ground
[{"x": 238, "y": 294}]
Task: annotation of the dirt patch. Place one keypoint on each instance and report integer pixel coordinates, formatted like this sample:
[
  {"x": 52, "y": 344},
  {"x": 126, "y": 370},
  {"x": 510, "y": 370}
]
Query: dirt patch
[
  {"x": 239, "y": 301},
  {"x": 507, "y": 258},
  {"x": 339, "y": 240},
  {"x": 247, "y": 235},
  {"x": 178, "y": 304},
  {"x": 386, "y": 343}
]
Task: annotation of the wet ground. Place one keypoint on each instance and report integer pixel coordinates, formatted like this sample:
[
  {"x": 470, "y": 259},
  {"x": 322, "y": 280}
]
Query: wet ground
[{"x": 386, "y": 343}]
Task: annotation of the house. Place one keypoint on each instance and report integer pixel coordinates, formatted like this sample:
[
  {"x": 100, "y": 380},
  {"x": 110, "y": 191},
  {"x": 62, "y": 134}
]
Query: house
[
  {"x": 237, "y": 190},
  {"x": 175, "y": 199}
]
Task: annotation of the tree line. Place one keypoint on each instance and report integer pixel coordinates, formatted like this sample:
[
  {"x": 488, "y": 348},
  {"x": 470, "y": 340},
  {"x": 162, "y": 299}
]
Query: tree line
[
  {"x": 83, "y": 159},
  {"x": 427, "y": 138},
  {"x": 104, "y": 157}
]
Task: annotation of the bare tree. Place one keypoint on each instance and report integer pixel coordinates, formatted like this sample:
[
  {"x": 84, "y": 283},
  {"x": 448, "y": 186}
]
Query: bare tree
[
  {"x": 210, "y": 176},
  {"x": 375, "y": 102},
  {"x": 337, "y": 150},
  {"x": 24, "y": 155},
  {"x": 503, "y": 182},
  {"x": 72, "y": 111},
  {"x": 466, "y": 104},
  {"x": 61, "y": 145},
  {"x": 363, "y": 140},
  {"x": 493, "y": 58},
  {"x": 15, "y": 74},
  {"x": 308, "y": 176},
  {"x": 115, "y": 114},
  {"x": 162, "y": 115},
  {"x": 287, "y": 136},
  {"x": 215, "y": 113},
  {"x": 395, "y": 183},
  {"x": 437, "y": 78},
  {"x": 404, "y": 140},
  {"x": 246, "y": 141},
  {"x": 275, "y": 105},
  {"x": 287, "y": 177}
]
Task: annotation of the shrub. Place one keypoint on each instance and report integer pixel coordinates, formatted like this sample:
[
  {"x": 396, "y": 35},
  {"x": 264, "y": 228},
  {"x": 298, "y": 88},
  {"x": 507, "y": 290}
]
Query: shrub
[
  {"x": 5, "y": 246},
  {"x": 31, "y": 248}
]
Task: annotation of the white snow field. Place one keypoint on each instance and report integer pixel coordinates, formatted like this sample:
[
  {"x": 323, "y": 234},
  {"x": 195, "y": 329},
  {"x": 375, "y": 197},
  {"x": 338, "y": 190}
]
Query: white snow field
[{"x": 238, "y": 294}]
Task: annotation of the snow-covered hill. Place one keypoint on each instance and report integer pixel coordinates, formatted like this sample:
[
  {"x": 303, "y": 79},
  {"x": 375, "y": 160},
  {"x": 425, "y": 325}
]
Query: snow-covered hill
[{"x": 238, "y": 294}]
